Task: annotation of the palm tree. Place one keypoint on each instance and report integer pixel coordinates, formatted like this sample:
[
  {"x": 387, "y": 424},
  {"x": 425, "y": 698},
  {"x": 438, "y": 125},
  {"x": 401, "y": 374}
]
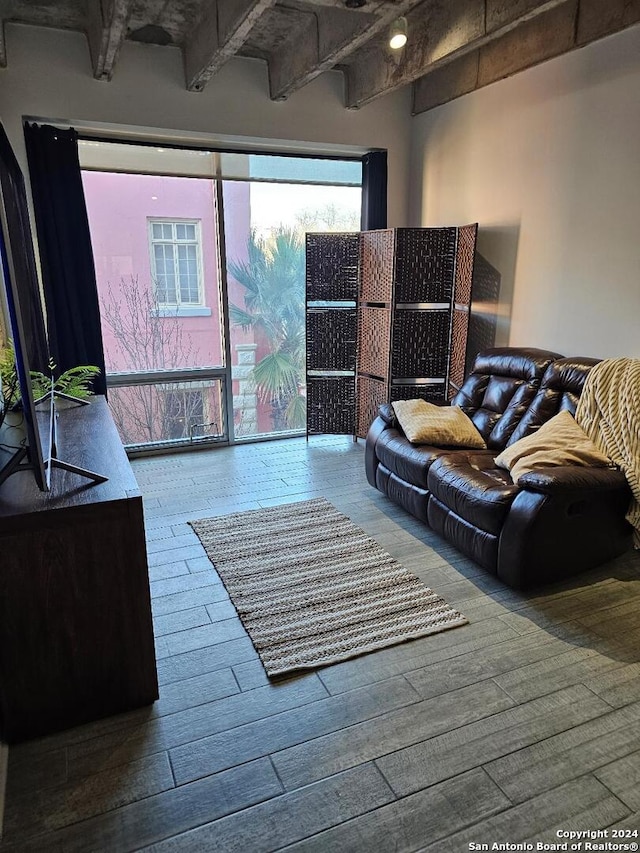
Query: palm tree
[{"x": 274, "y": 283}]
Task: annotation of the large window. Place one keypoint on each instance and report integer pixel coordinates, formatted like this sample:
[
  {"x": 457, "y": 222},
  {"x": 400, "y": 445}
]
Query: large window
[
  {"x": 175, "y": 262},
  {"x": 200, "y": 266}
]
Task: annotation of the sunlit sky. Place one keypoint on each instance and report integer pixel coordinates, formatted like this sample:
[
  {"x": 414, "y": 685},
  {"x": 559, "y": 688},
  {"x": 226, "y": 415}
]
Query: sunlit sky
[{"x": 275, "y": 204}]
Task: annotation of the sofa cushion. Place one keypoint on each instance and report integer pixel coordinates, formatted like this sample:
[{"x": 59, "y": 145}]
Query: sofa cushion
[
  {"x": 442, "y": 426},
  {"x": 409, "y": 462},
  {"x": 559, "y": 391},
  {"x": 558, "y": 442},
  {"x": 502, "y": 384},
  {"x": 471, "y": 485}
]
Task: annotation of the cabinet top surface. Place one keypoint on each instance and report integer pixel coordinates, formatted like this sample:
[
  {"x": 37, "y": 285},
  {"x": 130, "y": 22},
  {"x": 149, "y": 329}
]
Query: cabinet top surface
[{"x": 87, "y": 438}]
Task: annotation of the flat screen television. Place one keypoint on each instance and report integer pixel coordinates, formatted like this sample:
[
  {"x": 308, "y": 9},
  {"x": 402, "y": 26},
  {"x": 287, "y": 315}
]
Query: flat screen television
[{"x": 24, "y": 304}]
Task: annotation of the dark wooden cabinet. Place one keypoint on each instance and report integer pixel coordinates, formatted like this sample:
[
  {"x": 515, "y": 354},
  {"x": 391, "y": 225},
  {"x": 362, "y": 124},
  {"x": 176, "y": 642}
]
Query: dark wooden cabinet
[{"x": 76, "y": 636}]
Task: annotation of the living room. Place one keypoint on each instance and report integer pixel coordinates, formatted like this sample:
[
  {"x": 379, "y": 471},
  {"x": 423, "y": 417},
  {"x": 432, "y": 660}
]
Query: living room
[{"x": 546, "y": 162}]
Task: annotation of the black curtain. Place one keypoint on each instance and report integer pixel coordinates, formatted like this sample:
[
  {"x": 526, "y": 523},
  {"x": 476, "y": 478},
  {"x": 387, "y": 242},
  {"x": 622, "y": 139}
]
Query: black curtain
[
  {"x": 374, "y": 191},
  {"x": 66, "y": 257}
]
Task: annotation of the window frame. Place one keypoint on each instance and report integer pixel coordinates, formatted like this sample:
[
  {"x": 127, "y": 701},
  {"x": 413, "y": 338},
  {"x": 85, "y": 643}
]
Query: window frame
[{"x": 178, "y": 308}]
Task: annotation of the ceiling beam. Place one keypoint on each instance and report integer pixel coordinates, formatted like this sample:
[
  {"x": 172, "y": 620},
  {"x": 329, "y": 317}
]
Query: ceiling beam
[
  {"x": 553, "y": 33},
  {"x": 535, "y": 41},
  {"x": 106, "y": 30},
  {"x": 439, "y": 32},
  {"x": 446, "y": 83},
  {"x": 599, "y": 18},
  {"x": 330, "y": 37},
  {"x": 219, "y": 35}
]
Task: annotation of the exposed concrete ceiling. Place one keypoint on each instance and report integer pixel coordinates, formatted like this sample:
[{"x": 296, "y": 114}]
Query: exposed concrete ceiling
[{"x": 454, "y": 46}]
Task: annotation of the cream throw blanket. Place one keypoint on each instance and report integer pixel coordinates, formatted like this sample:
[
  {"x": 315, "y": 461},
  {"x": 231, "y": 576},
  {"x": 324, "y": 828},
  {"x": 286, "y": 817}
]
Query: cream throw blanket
[{"x": 609, "y": 412}]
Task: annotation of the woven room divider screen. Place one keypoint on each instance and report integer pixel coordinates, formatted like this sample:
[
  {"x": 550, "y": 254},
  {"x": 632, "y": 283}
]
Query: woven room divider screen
[{"x": 387, "y": 319}]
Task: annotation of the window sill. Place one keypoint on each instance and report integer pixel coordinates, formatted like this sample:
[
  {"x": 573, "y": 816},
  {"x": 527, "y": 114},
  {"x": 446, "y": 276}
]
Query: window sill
[{"x": 183, "y": 311}]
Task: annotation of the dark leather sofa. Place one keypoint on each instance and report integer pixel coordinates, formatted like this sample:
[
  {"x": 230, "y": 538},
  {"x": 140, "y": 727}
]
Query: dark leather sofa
[{"x": 558, "y": 522}]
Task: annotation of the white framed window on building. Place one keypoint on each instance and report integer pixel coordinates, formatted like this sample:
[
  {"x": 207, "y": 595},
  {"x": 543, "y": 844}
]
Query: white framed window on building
[{"x": 176, "y": 265}]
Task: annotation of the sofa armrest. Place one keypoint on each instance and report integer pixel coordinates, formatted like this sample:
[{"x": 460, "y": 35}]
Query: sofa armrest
[
  {"x": 370, "y": 456},
  {"x": 549, "y": 535},
  {"x": 572, "y": 478},
  {"x": 385, "y": 411}
]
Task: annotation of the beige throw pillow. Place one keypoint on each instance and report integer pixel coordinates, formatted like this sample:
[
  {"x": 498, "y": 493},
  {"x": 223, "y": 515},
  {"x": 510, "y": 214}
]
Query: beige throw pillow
[
  {"x": 442, "y": 426},
  {"x": 560, "y": 441}
]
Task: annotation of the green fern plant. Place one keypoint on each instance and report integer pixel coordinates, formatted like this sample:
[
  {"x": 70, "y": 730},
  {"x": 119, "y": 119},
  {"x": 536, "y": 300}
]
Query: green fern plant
[
  {"x": 8, "y": 378},
  {"x": 76, "y": 382}
]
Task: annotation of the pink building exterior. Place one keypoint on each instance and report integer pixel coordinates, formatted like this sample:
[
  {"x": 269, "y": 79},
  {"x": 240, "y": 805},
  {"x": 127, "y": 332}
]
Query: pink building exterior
[{"x": 121, "y": 209}]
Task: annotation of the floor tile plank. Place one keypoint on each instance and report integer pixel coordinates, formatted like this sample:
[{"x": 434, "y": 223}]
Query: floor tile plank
[
  {"x": 530, "y": 820},
  {"x": 622, "y": 777},
  {"x": 206, "y": 659},
  {"x": 206, "y": 594},
  {"x": 170, "y": 813},
  {"x": 215, "y": 753},
  {"x": 397, "y": 660},
  {"x": 183, "y": 620},
  {"x": 406, "y": 824},
  {"x": 301, "y": 765},
  {"x": 568, "y": 755},
  {"x": 284, "y": 820},
  {"x": 476, "y": 743},
  {"x": 103, "y": 791}
]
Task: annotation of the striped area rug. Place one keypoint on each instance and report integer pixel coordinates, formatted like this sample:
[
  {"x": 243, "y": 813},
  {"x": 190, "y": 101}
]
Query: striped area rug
[{"x": 312, "y": 589}]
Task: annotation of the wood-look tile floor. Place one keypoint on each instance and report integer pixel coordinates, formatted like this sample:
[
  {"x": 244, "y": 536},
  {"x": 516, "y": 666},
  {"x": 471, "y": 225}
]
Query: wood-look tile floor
[{"x": 524, "y": 722}]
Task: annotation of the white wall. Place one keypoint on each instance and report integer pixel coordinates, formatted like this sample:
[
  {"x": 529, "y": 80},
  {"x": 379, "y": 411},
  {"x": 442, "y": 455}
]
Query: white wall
[
  {"x": 49, "y": 75},
  {"x": 548, "y": 162}
]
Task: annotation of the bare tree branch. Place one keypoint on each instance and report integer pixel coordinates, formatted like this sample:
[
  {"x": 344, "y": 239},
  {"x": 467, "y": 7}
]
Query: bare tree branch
[{"x": 149, "y": 338}]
